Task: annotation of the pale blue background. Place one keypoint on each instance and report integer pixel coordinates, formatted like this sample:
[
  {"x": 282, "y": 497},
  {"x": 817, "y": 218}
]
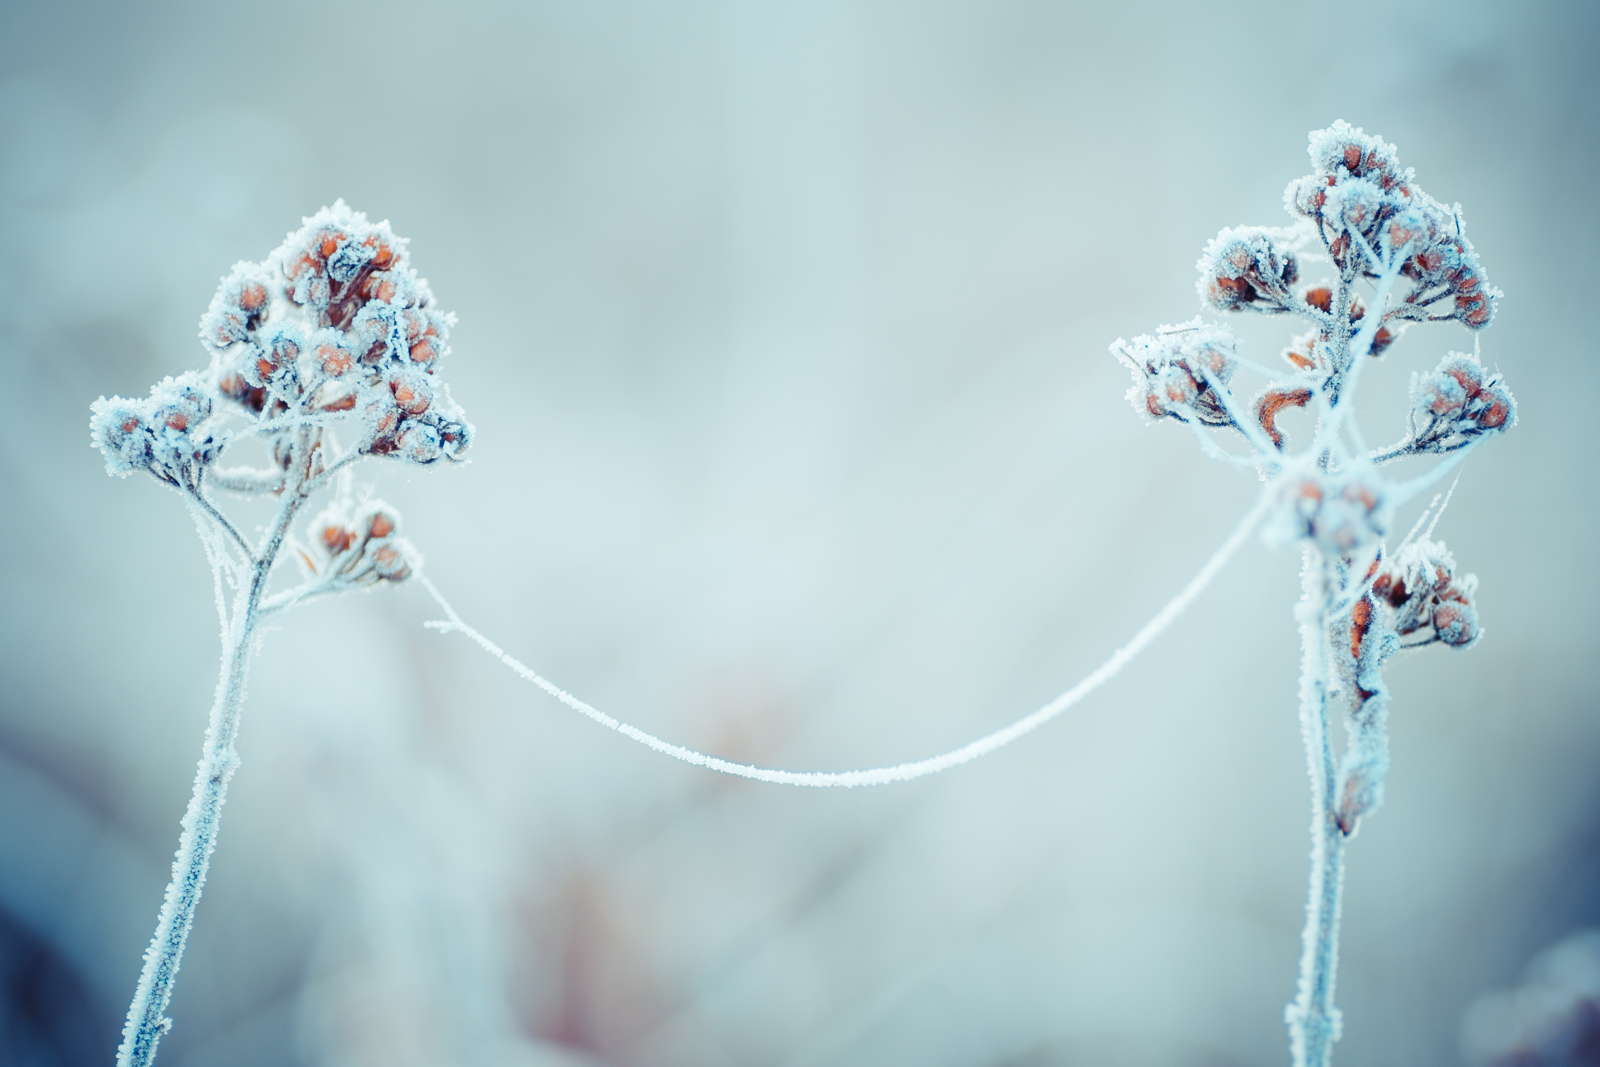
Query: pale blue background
[{"x": 784, "y": 327}]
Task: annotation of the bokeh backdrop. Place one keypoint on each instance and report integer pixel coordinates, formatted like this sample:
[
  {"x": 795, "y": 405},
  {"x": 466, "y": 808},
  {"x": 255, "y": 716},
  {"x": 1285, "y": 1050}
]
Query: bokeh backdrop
[{"x": 784, "y": 330}]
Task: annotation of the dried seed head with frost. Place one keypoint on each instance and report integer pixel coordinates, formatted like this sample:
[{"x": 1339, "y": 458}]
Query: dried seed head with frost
[
  {"x": 337, "y": 321},
  {"x": 1243, "y": 265},
  {"x": 1359, "y": 198},
  {"x": 1421, "y": 593},
  {"x": 360, "y": 545},
  {"x": 1341, "y": 512},
  {"x": 1381, "y": 235},
  {"x": 163, "y": 434},
  {"x": 1456, "y": 402},
  {"x": 334, "y": 330},
  {"x": 1178, "y": 371}
]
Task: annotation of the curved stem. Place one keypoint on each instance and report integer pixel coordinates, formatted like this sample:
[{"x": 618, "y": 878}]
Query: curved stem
[
  {"x": 1313, "y": 1020},
  {"x": 227, "y": 527},
  {"x": 147, "y": 1019}
]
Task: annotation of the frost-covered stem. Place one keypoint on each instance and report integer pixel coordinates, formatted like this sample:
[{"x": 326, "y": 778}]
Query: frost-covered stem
[
  {"x": 1313, "y": 1020},
  {"x": 227, "y": 527},
  {"x": 147, "y": 1019}
]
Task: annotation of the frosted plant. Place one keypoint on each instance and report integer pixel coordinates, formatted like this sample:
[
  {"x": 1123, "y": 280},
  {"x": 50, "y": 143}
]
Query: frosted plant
[
  {"x": 1362, "y": 601},
  {"x": 1364, "y": 219},
  {"x": 324, "y": 353}
]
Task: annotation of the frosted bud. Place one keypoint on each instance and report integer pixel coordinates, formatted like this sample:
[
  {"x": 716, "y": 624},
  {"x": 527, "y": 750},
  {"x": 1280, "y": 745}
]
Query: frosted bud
[
  {"x": 1244, "y": 264},
  {"x": 276, "y": 365},
  {"x": 181, "y": 402},
  {"x": 1353, "y": 205},
  {"x": 118, "y": 429},
  {"x": 455, "y": 435},
  {"x": 1498, "y": 409},
  {"x": 378, "y": 521},
  {"x": 412, "y": 391},
  {"x": 393, "y": 560},
  {"x": 331, "y": 353},
  {"x": 1457, "y": 401},
  {"x": 1361, "y": 784},
  {"x": 380, "y": 418},
  {"x": 331, "y": 529},
  {"x": 1177, "y": 387},
  {"x": 1342, "y": 149},
  {"x": 1411, "y": 225},
  {"x": 1305, "y": 196},
  {"x": 1439, "y": 396},
  {"x": 238, "y": 306},
  {"x": 1456, "y": 623},
  {"x": 1340, "y": 512},
  {"x": 419, "y": 442},
  {"x": 1178, "y": 370}
]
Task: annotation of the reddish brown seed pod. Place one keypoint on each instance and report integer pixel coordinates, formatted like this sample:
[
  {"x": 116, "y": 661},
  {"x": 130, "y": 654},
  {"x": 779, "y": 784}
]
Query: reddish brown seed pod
[
  {"x": 1466, "y": 371},
  {"x": 335, "y": 360},
  {"x": 253, "y": 296},
  {"x": 1361, "y": 494},
  {"x": 411, "y": 394},
  {"x": 390, "y": 563},
  {"x": 1321, "y": 298},
  {"x": 1360, "y": 623},
  {"x": 1456, "y": 623},
  {"x": 381, "y": 525},
  {"x": 1382, "y": 340},
  {"x": 424, "y": 351},
  {"x": 1272, "y": 402},
  {"x": 337, "y": 539},
  {"x": 1499, "y": 410}
]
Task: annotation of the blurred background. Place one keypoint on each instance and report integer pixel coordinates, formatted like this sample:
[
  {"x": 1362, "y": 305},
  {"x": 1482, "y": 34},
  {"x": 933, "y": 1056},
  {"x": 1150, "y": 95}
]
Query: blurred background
[{"x": 784, "y": 330}]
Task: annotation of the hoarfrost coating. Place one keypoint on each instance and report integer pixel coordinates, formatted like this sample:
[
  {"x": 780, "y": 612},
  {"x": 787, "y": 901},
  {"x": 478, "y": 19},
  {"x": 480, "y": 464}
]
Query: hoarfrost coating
[{"x": 334, "y": 332}]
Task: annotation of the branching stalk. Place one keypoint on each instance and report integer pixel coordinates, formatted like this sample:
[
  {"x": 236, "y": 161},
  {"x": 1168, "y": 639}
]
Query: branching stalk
[
  {"x": 1313, "y": 1020},
  {"x": 147, "y": 1019}
]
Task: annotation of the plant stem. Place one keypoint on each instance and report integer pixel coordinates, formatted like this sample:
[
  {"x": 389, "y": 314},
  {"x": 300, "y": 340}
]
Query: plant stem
[
  {"x": 147, "y": 1015},
  {"x": 1313, "y": 1020}
]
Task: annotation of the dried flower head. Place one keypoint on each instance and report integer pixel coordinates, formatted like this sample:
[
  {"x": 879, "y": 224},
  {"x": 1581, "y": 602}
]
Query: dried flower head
[
  {"x": 1456, "y": 402},
  {"x": 1422, "y": 593},
  {"x": 360, "y": 545},
  {"x": 1243, "y": 265},
  {"x": 334, "y": 331},
  {"x": 163, "y": 434},
  {"x": 1340, "y": 512},
  {"x": 1178, "y": 371},
  {"x": 336, "y": 320}
]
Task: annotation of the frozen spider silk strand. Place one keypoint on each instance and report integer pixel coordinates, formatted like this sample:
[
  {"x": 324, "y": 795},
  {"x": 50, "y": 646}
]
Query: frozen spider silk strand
[{"x": 899, "y": 772}]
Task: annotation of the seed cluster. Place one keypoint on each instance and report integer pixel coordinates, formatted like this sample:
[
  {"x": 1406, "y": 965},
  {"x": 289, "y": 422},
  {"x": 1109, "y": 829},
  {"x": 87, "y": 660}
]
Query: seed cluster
[{"x": 336, "y": 320}]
